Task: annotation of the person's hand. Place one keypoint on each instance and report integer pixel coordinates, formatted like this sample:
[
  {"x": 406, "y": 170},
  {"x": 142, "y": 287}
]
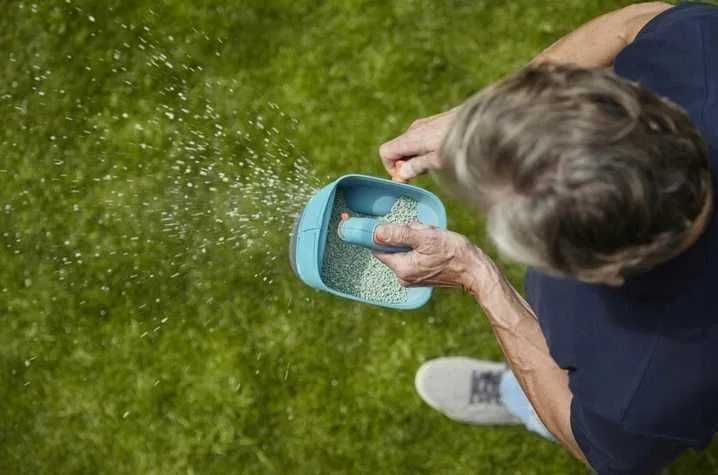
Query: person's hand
[
  {"x": 438, "y": 258},
  {"x": 416, "y": 151}
]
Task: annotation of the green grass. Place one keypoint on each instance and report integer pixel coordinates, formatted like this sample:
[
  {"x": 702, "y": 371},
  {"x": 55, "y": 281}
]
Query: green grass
[{"x": 108, "y": 363}]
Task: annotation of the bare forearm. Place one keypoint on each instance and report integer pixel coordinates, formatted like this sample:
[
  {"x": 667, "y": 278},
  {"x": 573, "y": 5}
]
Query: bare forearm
[
  {"x": 520, "y": 337},
  {"x": 597, "y": 43}
]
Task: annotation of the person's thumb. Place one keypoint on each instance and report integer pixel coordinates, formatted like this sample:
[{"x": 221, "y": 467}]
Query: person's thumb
[
  {"x": 416, "y": 166},
  {"x": 396, "y": 235}
]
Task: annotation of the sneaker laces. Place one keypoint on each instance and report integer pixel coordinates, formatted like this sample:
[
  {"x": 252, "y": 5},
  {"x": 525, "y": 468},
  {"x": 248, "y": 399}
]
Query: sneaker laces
[{"x": 485, "y": 387}]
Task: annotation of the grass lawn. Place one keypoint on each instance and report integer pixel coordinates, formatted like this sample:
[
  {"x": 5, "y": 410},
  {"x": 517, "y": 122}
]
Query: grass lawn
[{"x": 133, "y": 337}]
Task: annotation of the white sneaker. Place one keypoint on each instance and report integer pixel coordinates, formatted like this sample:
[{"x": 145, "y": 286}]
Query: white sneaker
[{"x": 464, "y": 389}]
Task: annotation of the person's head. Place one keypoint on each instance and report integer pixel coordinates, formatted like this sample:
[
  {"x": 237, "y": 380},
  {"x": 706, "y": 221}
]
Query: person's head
[{"x": 580, "y": 173}]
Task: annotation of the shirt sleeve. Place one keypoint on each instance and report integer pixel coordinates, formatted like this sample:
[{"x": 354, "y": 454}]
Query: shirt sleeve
[
  {"x": 672, "y": 56},
  {"x": 612, "y": 450}
]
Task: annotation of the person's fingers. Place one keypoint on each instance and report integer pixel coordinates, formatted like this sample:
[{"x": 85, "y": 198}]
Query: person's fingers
[
  {"x": 397, "y": 235},
  {"x": 416, "y": 166},
  {"x": 389, "y": 157},
  {"x": 407, "y": 145},
  {"x": 389, "y": 259},
  {"x": 422, "y": 138},
  {"x": 394, "y": 171},
  {"x": 421, "y": 226},
  {"x": 397, "y": 262}
]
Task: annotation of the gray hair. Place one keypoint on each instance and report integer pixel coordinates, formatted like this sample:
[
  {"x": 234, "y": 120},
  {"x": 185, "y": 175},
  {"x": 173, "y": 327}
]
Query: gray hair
[{"x": 581, "y": 173}]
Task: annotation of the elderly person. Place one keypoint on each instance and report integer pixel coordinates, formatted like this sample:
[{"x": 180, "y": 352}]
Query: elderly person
[{"x": 595, "y": 167}]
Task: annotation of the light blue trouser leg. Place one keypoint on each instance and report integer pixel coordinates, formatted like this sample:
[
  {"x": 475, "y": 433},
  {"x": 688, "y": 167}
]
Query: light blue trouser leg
[{"x": 514, "y": 399}]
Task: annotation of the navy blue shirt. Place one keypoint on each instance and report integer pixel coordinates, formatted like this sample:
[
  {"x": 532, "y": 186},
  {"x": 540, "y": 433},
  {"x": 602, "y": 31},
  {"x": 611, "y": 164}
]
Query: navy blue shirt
[{"x": 643, "y": 358}]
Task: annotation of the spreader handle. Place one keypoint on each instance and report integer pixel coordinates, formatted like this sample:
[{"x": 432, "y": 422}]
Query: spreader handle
[{"x": 360, "y": 231}]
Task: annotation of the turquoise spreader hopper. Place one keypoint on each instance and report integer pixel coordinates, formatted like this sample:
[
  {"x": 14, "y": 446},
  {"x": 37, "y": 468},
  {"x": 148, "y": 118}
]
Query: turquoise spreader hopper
[{"x": 369, "y": 196}]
